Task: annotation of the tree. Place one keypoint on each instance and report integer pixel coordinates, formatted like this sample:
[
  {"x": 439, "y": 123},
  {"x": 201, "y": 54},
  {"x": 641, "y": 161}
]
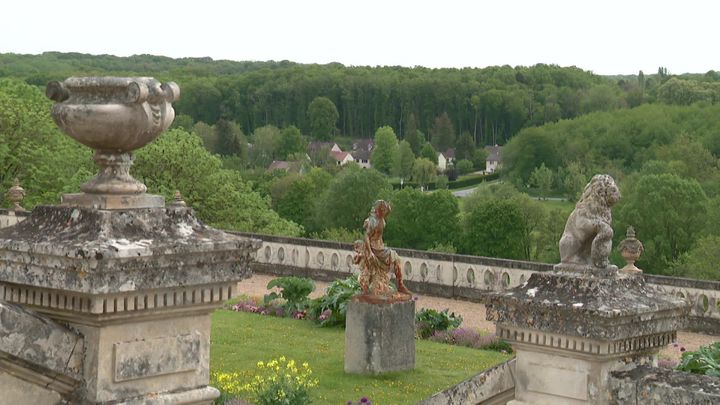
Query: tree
[
  {"x": 428, "y": 152},
  {"x": 323, "y": 115},
  {"x": 494, "y": 229},
  {"x": 700, "y": 262},
  {"x": 266, "y": 145},
  {"x": 219, "y": 196},
  {"x": 349, "y": 197},
  {"x": 479, "y": 159},
  {"x": 667, "y": 213},
  {"x": 405, "y": 160},
  {"x": 573, "y": 181},
  {"x": 422, "y": 220},
  {"x": 542, "y": 177},
  {"x": 32, "y": 148},
  {"x": 443, "y": 132},
  {"x": 183, "y": 121},
  {"x": 424, "y": 172},
  {"x": 385, "y": 151},
  {"x": 230, "y": 139},
  {"x": 465, "y": 148},
  {"x": 291, "y": 141},
  {"x": 299, "y": 201}
]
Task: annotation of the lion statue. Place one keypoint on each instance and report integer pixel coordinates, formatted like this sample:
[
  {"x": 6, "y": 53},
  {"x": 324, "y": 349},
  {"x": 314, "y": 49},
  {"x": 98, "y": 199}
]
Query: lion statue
[{"x": 587, "y": 239}]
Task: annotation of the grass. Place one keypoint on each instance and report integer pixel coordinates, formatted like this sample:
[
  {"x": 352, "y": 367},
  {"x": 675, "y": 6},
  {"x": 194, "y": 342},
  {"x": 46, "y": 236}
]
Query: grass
[{"x": 239, "y": 340}]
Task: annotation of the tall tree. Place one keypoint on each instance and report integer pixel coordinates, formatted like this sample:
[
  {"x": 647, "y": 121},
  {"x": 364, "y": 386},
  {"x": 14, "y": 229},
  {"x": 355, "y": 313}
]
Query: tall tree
[
  {"x": 385, "y": 151},
  {"x": 266, "y": 145},
  {"x": 323, "y": 116},
  {"x": 667, "y": 212},
  {"x": 349, "y": 197},
  {"x": 541, "y": 178},
  {"x": 219, "y": 196},
  {"x": 291, "y": 141},
  {"x": 416, "y": 139},
  {"x": 429, "y": 153},
  {"x": 230, "y": 138},
  {"x": 422, "y": 220},
  {"x": 495, "y": 229},
  {"x": 465, "y": 148},
  {"x": 404, "y": 161},
  {"x": 443, "y": 133},
  {"x": 424, "y": 172}
]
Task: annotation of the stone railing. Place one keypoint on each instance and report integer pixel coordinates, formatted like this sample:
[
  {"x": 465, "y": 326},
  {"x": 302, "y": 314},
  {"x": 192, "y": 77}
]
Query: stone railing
[
  {"x": 442, "y": 274},
  {"x": 458, "y": 276}
]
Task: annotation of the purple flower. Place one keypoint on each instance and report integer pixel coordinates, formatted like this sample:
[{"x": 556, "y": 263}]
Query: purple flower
[
  {"x": 682, "y": 349},
  {"x": 364, "y": 401}
]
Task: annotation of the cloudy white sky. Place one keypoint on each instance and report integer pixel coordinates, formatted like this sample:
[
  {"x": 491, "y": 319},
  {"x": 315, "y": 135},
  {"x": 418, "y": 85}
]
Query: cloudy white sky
[{"x": 605, "y": 36}]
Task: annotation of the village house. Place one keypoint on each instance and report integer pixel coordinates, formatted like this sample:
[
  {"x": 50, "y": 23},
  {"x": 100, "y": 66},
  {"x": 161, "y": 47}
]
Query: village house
[
  {"x": 493, "y": 161},
  {"x": 361, "y": 151},
  {"x": 446, "y": 158}
]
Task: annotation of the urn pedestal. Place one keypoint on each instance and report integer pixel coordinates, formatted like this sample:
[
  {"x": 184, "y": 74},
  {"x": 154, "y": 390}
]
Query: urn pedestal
[{"x": 132, "y": 289}]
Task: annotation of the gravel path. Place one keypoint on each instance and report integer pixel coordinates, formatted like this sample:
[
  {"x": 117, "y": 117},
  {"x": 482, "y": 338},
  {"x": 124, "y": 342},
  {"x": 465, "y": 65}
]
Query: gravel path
[{"x": 473, "y": 314}]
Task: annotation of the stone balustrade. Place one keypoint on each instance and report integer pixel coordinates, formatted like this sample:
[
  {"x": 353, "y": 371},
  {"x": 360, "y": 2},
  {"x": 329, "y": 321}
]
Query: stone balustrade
[
  {"x": 443, "y": 274},
  {"x": 458, "y": 276}
]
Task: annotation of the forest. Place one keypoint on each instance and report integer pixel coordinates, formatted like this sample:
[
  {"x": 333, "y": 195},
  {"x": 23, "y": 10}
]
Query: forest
[{"x": 657, "y": 134}]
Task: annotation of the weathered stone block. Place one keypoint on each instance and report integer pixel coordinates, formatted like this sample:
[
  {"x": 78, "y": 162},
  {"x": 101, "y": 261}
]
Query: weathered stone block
[{"x": 379, "y": 337}]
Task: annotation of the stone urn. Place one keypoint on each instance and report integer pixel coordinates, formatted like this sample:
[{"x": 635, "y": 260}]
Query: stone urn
[
  {"x": 630, "y": 248},
  {"x": 114, "y": 116}
]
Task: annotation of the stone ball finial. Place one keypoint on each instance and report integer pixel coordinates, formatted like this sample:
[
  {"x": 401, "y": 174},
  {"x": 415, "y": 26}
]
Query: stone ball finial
[
  {"x": 114, "y": 116},
  {"x": 630, "y": 248},
  {"x": 15, "y": 195}
]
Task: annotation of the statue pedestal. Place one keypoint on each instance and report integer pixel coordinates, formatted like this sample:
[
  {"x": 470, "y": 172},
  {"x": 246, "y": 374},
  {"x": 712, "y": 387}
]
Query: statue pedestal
[
  {"x": 127, "y": 294},
  {"x": 379, "y": 337},
  {"x": 570, "y": 331}
]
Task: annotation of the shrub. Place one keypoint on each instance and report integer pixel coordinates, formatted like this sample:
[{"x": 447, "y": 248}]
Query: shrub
[
  {"x": 294, "y": 290},
  {"x": 331, "y": 308},
  {"x": 705, "y": 360},
  {"x": 428, "y": 321}
]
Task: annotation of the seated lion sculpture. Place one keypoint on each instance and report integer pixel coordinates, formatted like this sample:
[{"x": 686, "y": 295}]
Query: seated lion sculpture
[{"x": 587, "y": 239}]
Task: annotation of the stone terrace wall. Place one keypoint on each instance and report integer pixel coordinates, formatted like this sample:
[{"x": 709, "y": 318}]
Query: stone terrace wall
[{"x": 458, "y": 276}]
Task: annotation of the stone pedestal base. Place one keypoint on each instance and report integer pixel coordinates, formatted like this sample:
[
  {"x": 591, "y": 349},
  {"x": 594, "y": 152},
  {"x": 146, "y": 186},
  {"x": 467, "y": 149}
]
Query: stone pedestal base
[{"x": 379, "y": 337}]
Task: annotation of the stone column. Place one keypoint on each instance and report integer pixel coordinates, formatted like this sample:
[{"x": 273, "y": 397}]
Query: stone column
[{"x": 570, "y": 330}]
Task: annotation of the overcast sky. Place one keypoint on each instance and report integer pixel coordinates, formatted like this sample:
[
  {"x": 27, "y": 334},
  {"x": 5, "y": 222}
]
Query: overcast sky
[{"x": 604, "y": 36}]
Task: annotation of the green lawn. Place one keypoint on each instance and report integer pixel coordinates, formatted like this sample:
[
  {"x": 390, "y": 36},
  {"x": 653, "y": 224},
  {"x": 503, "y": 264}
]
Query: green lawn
[{"x": 239, "y": 340}]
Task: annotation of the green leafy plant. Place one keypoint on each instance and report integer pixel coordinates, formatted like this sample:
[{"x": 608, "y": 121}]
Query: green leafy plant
[
  {"x": 294, "y": 290},
  {"x": 428, "y": 321},
  {"x": 705, "y": 360},
  {"x": 331, "y": 308}
]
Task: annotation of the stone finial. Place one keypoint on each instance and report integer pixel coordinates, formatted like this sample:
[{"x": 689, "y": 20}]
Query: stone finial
[
  {"x": 178, "y": 201},
  {"x": 114, "y": 116},
  {"x": 587, "y": 240},
  {"x": 15, "y": 195},
  {"x": 630, "y": 248}
]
